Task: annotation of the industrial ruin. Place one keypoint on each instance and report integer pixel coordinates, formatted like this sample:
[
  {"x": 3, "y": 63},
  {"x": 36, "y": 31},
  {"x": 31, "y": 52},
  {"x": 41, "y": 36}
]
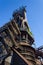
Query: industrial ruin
[{"x": 16, "y": 42}]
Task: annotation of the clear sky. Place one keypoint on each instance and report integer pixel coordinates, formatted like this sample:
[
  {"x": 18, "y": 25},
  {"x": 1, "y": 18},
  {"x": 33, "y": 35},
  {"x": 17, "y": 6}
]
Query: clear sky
[{"x": 34, "y": 15}]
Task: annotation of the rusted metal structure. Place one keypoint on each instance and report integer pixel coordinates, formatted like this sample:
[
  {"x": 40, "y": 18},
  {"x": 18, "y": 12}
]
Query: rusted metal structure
[
  {"x": 39, "y": 55},
  {"x": 16, "y": 42}
]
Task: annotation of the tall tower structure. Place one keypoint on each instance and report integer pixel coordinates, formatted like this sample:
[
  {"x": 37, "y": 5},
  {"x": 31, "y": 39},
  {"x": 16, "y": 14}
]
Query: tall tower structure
[
  {"x": 25, "y": 39},
  {"x": 16, "y": 42}
]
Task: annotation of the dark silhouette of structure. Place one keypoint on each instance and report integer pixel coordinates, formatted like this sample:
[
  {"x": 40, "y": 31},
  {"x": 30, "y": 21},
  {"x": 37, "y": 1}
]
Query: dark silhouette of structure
[{"x": 16, "y": 42}]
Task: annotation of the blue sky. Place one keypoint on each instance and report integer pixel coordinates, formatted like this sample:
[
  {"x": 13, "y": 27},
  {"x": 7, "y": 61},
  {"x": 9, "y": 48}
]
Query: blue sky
[{"x": 34, "y": 15}]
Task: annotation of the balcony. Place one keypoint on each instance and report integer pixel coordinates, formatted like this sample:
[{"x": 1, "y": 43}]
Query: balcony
[{"x": 27, "y": 30}]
